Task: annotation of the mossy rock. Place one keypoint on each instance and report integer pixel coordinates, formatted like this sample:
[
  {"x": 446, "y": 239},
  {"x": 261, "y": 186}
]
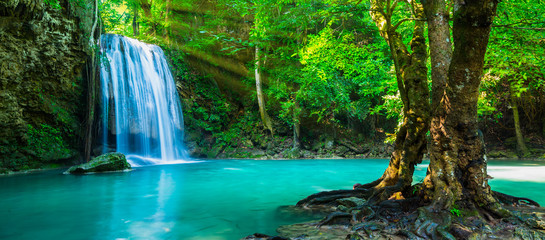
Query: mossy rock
[
  {"x": 108, "y": 162},
  {"x": 502, "y": 154}
]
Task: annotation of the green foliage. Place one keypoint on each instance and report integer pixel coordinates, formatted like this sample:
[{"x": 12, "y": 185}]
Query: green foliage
[
  {"x": 116, "y": 17},
  {"x": 341, "y": 77},
  {"x": 53, "y": 3},
  {"x": 232, "y": 137},
  {"x": 209, "y": 110},
  {"x": 65, "y": 119},
  {"x": 417, "y": 188},
  {"x": 47, "y": 142},
  {"x": 454, "y": 210},
  {"x": 320, "y": 60},
  {"x": 514, "y": 68}
]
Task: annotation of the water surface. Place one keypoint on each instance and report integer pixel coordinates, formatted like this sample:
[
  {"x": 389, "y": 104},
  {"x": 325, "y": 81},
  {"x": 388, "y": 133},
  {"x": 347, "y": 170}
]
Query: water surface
[{"x": 217, "y": 199}]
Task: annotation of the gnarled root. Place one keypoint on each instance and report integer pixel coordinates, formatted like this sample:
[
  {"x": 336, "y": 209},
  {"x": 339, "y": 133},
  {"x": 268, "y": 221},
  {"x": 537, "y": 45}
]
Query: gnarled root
[
  {"x": 387, "y": 193},
  {"x": 431, "y": 225},
  {"x": 341, "y": 218},
  {"x": 512, "y": 200},
  {"x": 329, "y": 198}
]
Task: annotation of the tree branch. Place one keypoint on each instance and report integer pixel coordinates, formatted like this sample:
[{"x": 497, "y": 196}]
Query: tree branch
[
  {"x": 522, "y": 28},
  {"x": 519, "y": 22},
  {"x": 407, "y": 19}
]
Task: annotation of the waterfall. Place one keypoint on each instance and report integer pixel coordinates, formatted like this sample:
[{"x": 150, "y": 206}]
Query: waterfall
[{"x": 141, "y": 112}]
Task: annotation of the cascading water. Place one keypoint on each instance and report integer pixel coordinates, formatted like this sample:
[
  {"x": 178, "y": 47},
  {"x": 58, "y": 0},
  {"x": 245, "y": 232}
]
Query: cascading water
[{"x": 141, "y": 109}]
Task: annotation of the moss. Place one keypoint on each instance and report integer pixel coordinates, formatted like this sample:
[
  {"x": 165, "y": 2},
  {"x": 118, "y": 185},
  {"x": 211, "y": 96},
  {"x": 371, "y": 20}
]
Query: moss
[
  {"x": 47, "y": 143},
  {"x": 104, "y": 163}
]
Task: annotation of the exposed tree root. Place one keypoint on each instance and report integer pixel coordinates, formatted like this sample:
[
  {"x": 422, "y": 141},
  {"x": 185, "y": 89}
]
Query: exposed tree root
[
  {"x": 336, "y": 218},
  {"x": 329, "y": 197},
  {"x": 512, "y": 200},
  {"x": 413, "y": 218}
]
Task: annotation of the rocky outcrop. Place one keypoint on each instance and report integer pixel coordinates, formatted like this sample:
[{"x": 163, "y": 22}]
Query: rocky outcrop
[
  {"x": 109, "y": 162},
  {"x": 43, "y": 50}
]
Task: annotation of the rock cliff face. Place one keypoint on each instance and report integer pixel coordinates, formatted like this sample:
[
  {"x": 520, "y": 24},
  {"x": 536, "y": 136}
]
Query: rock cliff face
[{"x": 43, "y": 51}]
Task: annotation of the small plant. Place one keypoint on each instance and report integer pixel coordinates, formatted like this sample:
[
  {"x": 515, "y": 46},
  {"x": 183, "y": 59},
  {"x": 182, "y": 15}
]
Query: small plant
[
  {"x": 416, "y": 188},
  {"x": 455, "y": 211}
]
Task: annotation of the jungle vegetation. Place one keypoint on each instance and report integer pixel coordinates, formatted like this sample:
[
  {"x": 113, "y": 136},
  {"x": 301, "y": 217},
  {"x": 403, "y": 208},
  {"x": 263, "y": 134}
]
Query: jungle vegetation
[{"x": 446, "y": 73}]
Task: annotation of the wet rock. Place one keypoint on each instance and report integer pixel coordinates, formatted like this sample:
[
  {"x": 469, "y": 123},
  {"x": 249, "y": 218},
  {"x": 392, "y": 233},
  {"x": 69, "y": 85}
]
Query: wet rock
[{"x": 108, "y": 162}]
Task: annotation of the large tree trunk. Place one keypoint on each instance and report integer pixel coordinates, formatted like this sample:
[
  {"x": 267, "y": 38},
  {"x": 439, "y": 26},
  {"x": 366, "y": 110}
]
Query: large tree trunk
[
  {"x": 411, "y": 74},
  {"x": 522, "y": 150},
  {"x": 260, "y": 98},
  {"x": 440, "y": 49},
  {"x": 457, "y": 171}
]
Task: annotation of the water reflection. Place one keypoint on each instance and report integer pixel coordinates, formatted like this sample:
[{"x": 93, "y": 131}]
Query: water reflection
[
  {"x": 220, "y": 199},
  {"x": 156, "y": 226}
]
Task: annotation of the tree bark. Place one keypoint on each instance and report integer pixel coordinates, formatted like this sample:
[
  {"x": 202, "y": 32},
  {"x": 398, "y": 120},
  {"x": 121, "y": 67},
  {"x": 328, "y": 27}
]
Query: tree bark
[
  {"x": 457, "y": 171},
  {"x": 92, "y": 76},
  {"x": 260, "y": 98},
  {"x": 135, "y": 25},
  {"x": 94, "y": 27},
  {"x": 296, "y": 126},
  {"x": 440, "y": 48},
  {"x": 411, "y": 74},
  {"x": 165, "y": 27},
  {"x": 522, "y": 150},
  {"x": 92, "y": 73}
]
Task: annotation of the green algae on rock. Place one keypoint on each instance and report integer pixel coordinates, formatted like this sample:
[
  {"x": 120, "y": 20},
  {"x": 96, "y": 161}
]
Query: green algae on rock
[{"x": 109, "y": 162}]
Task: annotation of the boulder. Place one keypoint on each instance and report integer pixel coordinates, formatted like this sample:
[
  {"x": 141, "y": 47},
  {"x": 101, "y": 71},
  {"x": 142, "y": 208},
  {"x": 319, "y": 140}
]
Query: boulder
[{"x": 108, "y": 162}]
